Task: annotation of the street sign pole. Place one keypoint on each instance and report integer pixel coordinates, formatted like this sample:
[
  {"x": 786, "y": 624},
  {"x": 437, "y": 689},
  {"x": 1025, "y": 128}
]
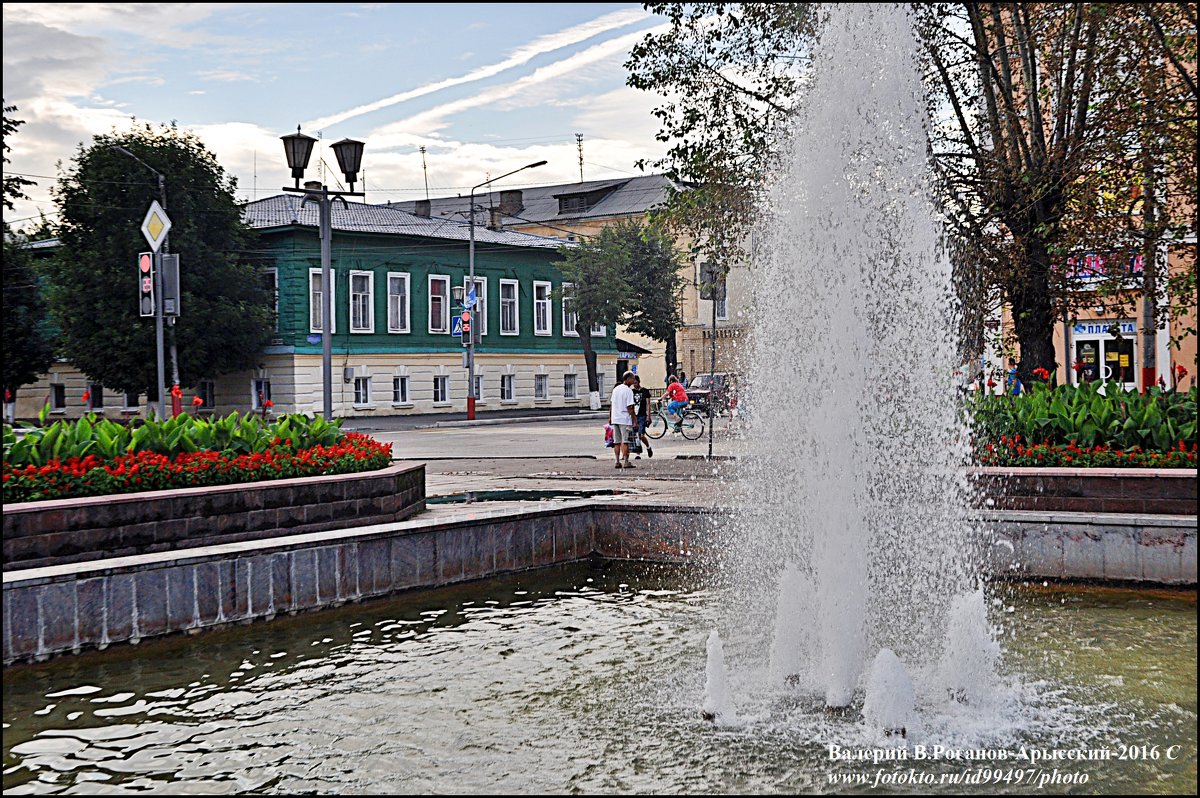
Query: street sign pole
[{"x": 155, "y": 228}]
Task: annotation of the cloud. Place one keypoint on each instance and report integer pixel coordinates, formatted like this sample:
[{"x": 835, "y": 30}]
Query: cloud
[
  {"x": 225, "y": 75},
  {"x": 168, "y": 24},
  {"x": 522, "y": 55}
]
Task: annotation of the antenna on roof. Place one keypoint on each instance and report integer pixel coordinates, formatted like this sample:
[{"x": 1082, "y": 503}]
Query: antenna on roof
[
  {"x": 424, "y": 169},
  {"x": 579, "y": 145}
]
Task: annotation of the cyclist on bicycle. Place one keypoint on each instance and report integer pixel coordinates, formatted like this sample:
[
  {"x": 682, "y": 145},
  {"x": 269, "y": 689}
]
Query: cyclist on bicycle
[{"x": 679, "y": 399}]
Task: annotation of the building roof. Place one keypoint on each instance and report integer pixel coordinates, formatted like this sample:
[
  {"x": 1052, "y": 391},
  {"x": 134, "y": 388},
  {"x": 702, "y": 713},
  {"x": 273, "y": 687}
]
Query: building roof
[
  {"x": 286, "y": 210},
  {"x": 541, "y": 204}
]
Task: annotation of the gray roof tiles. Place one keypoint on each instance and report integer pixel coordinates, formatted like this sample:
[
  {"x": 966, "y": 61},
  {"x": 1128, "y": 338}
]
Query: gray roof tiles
[
  {"x": 284, "y": 210},
  {"x": 540, "y": 204}
]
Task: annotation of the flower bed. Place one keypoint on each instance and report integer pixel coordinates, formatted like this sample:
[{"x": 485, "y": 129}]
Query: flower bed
[
  {"x": 1014, "y": 452},
  {"x": 147, "y": 470}
]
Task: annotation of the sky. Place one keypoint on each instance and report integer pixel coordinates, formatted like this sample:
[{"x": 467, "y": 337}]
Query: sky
[{"x": 485, "y": 88}]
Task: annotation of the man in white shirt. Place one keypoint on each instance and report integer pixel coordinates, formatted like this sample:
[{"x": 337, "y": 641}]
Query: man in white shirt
[{"x": 622, "y": 417}]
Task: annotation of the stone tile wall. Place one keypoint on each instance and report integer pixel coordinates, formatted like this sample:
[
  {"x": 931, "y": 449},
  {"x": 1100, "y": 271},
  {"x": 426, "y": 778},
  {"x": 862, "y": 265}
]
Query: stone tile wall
[
  {"x": 1166, "y": 491},
  {"x": 37, "y": 534}
]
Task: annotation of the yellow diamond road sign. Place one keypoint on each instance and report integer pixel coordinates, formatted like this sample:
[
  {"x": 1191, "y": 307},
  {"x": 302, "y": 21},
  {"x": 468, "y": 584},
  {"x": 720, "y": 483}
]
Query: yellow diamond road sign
[{"x": 156, "y": 225}]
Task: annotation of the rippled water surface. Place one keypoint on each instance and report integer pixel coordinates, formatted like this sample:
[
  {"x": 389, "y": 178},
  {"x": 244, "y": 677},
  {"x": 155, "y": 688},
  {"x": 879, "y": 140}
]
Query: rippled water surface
[{"x": 587, "y": 679}]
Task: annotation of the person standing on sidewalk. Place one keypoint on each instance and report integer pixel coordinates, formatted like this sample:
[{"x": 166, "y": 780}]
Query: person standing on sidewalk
[
  {"x": 623, "y": 415},
  {"x": 642, "y": 397}
]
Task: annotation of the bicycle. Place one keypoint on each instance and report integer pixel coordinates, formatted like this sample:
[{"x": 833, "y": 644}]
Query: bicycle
[{"x": 690, "y": 424}]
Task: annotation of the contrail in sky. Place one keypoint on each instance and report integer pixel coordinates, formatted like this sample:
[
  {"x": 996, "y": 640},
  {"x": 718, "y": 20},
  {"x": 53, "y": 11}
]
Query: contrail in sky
[{"x": 522, "y": 55}]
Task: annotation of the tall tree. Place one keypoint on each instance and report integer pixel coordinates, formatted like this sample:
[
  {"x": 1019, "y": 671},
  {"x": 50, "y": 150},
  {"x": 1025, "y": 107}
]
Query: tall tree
[
  {"x": 103, "y": 197},
  {"x": 28, "y": 346},
  {"x": 628, "y": 274}
]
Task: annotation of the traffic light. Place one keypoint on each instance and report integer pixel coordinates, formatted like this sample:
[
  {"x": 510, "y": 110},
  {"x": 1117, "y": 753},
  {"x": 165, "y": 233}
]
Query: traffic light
[{"x": 146, "y": 283}]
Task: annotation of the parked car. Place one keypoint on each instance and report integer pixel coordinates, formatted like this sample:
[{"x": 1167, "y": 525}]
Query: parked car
[{"x": 706, "y": 388}]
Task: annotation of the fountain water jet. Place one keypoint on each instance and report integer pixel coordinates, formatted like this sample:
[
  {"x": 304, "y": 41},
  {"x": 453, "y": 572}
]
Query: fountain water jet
[
  {"x": 718, "y": 702},
  {"x": 858, "y": 473}
]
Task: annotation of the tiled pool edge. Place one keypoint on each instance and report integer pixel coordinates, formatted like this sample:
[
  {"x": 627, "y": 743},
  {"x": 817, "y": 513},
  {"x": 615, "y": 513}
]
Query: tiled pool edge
[{"x": 78, "y": 606}]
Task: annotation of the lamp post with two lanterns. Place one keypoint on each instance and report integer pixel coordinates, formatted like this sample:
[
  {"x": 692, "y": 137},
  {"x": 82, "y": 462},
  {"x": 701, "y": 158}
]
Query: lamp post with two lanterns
[{"x": 298, "y": 148}]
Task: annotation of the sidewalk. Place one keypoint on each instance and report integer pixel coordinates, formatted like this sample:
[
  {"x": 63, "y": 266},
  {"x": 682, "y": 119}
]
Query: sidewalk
[{"x": 459, "y": 418}]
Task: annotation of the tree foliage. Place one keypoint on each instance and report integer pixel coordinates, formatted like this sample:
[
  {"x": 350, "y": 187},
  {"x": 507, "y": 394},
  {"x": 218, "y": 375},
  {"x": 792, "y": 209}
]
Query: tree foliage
[
  {"x": 730, "y": 73},
  {"x": 628, "y": 274},
  {"x": 103, "y": 197},
  {"x": 28, "y": 348}
]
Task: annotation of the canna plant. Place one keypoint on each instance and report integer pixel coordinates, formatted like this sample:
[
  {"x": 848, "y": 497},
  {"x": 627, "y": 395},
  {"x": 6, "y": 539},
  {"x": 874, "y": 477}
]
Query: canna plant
[{"x": 233, "y": 434}]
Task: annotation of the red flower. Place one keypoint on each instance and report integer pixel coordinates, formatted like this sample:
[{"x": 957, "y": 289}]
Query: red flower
[
  {"x": 1041, "y": 374},
  {"x": 176, "y": 391},
  {"x": 1079, "y": 365},
  {"x": 87, "y": 397},
  {"x": 268, "y": 404},
  {"x": 197, "y": 401},
  {"x": 1180, "y": 372}
]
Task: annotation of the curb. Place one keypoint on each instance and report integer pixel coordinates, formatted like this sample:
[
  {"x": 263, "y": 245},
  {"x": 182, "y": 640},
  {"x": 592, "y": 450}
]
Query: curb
[{"x": 487, "y": 422}]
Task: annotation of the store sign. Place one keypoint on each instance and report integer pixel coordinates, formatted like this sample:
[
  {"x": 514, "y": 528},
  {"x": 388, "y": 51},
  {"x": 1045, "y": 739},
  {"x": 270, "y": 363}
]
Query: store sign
[
  {"x": 1102, "y": 327},
  {"x": 627, "y": 355},
  {"x": 1095, "y": 267}
]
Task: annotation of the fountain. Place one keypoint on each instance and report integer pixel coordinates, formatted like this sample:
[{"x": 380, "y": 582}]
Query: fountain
[{"x": 859, "y": 475}]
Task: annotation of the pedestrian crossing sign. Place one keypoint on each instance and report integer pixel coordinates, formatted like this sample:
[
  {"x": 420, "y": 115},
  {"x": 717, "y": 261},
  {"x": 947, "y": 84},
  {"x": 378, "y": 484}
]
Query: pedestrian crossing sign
[{"x": 456, "y": 326}]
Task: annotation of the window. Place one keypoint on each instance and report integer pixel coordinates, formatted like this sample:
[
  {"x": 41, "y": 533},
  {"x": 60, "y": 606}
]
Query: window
[
  {"x": 569, "y": 386},
  {"x": 599, "y": 330},
  {"x": 58, "y": 397},
  {"x": 207, "y": 391},
  {"x": 133, "y": 400},
  {"x": 260, "y": 394},
  {"x": 362, "y": 302},
  {"x": 479, "y": 312},
  {"x": 541, "y": 308},
  {"x": 95, "y": 396},
  {"x": 479, "y": 387},
  {"x": 506, "y": 387},
  {"x": 400, "y": 390},
  {"x": 314, "y": 302},
  {"x": 362, "y": 391},
  {"x": 439, "y": 303},
  {"x": 541, "y": 386},
  {"x": 569, "y": 317},
  {"x": 398, "y": 302},
  {"x": 271, "y": 282},
  {"x": 509, "y": 308},
  {"x": 721, "y": 297},
  {"x": 441, "y": 390}
]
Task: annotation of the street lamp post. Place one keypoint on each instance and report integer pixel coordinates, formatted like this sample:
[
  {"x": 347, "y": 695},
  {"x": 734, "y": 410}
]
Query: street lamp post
[
  {"x": 471, "y": 396},
  {"x": 298, "y": 148},
  {"x": 158, "y": 295}
]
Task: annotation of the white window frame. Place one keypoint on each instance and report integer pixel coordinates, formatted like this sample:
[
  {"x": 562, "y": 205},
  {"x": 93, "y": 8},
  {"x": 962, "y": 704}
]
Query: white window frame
[
  {"x": 445, "y": 319},
  {"x": 479, "y": 313},
  {"x": 312, "y": 328},
  {"x": 480, "y": 397},
  {"x": 568, "y": 330},
  {"x": 57, "y": 390},
  {"x": 599, "y": 330},
  {"x": 274, "y": 272},
  {"x": 445, "y": 382},
  {"x": 508, "y": 387},
  {"x": 369, "y": 327},
  {"x": 393, "y": 326},
  {"x": 516, "y": 307},
  {"x": 401, "y": 398},
  {"x": 363, "y": 398},
  {"x": 254, "y": 386},
  {"x": 541, "y": 387},
  {"x": 572, "y": 380},
  {"x": 137, "y": 402},
  {"x": 548, "y": 303}
]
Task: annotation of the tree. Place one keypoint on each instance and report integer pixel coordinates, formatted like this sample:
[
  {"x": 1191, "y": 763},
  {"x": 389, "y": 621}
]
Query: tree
[
  {"x": 628, "y": 274},
  {"x": 225, "y": 316},
  {"x": 28, "y": 347},
  {"x": 734, "y": 70}
]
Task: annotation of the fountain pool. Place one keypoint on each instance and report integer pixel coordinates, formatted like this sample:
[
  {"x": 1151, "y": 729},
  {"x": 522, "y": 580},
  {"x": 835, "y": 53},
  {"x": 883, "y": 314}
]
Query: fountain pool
[{"x": 586, "y": 678}]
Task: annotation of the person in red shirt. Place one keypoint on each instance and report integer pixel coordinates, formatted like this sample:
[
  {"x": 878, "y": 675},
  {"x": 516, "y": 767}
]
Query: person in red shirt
[{"x": 678, "y": 396}]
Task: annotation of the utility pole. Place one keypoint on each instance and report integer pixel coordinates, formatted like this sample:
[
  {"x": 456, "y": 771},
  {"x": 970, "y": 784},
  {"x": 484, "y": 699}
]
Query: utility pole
[
  {"x": 425, "y": 170},
  {"x": 579, "y": 146}
]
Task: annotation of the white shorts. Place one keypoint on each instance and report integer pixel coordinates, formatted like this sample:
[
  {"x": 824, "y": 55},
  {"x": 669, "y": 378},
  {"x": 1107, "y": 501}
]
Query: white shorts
[{"x": 622, "y": 433}]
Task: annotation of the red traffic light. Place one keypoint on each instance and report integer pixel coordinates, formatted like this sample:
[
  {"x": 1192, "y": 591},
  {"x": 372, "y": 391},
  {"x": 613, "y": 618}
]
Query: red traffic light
[{"x": 144, "y": 262}]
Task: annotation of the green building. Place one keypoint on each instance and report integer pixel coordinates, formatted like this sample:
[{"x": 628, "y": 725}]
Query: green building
[{"x": 394, "y": 320}]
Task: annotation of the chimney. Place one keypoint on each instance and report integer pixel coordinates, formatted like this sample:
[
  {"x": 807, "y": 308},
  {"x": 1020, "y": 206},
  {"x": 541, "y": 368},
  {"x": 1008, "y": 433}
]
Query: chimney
[
  {"x": 495, "y": 219},
  {"x": 422, "y": 208},
  {"x": 511, "y": 202}
]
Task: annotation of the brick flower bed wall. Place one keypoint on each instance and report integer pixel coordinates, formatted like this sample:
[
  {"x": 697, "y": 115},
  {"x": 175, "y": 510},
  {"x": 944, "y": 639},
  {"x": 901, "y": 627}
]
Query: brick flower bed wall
[
  {"x": 1162, "y": 491},
  {"x": 38, "y": 534}
]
